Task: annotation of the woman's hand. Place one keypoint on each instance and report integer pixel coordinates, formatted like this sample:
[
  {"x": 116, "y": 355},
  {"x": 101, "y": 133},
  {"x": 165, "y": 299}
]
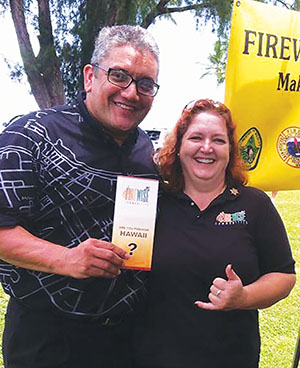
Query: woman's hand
[
  {"x": 225, "y": 294},
  {"x": 231, "y": 294}
]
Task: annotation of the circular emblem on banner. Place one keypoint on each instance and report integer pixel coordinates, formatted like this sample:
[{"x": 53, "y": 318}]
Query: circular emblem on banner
[
  {"x": 288, "y": 146},
  {"x": 250, "y": 148}
]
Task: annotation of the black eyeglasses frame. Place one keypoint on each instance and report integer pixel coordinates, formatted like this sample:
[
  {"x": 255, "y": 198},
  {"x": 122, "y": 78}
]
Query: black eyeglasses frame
[{"x": 136, "y": 81}]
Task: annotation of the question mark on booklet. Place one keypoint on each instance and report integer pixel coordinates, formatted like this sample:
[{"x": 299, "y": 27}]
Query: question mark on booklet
[{"x": 132, "y": 247}]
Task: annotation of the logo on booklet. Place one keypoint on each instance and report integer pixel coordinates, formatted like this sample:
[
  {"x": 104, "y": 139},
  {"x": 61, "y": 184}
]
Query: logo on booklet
[{"x": 136, "y": 195}]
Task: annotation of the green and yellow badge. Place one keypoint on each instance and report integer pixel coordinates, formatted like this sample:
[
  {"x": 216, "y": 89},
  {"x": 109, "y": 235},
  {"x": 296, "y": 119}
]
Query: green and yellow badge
[{"x": 250, "y": 147}]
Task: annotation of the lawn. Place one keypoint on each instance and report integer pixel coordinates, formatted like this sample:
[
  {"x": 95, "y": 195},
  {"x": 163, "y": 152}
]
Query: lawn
[{"x": 279, "y": 324}]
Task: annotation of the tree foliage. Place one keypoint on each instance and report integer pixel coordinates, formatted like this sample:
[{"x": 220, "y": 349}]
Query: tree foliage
[
  {"x": 66, "y": 30},
  {"x": 217, "y": 60}
]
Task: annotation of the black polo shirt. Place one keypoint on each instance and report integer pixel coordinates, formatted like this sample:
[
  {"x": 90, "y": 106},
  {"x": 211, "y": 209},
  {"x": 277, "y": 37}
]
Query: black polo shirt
[
  {"x": 58, "y": 171},
  {"x": 192, "y": 247}
]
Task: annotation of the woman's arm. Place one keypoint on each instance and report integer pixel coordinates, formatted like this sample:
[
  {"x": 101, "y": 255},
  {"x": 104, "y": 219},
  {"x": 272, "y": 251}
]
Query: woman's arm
[{"x": 231, "y": 294}]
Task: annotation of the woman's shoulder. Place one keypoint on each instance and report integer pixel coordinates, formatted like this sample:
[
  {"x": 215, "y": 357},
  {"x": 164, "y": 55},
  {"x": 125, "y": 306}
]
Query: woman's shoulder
[{"x": 253, "y": 192}]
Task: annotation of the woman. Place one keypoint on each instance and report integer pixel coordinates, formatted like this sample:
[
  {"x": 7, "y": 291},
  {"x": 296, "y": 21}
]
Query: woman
[{"x": 221, "y": 252}]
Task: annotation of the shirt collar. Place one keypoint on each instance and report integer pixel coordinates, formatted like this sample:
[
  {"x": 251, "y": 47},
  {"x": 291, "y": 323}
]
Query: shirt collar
[{"x": 230, "y": 193}]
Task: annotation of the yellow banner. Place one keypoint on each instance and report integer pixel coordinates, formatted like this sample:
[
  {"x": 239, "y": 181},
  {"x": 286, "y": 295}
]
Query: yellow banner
[{"x": 263, "y": 92}]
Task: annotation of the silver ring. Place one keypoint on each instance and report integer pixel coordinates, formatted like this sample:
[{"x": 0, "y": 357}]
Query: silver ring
[{"x": 218, "y": 292}]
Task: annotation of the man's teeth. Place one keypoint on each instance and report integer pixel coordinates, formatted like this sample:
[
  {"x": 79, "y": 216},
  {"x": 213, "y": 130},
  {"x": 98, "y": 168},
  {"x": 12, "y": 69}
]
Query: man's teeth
[
  {"x": 124, "y": 106},
  {"x": 205, "y": 160}
]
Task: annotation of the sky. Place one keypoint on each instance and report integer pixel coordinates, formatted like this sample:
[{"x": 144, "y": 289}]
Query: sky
[{"x": 183, "y": 55}]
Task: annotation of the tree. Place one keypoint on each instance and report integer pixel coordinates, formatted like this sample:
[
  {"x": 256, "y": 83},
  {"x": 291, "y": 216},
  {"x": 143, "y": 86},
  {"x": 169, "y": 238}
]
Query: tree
[
  {"x": 66, "y": 30},
  {"x": 217, "y": 60},
  {"x": 42, "y": 70}
]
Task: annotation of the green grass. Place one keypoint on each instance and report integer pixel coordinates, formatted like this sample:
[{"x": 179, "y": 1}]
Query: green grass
[
  {"x": 3, "y": 302},
  {"x": 279, "y": 324}
]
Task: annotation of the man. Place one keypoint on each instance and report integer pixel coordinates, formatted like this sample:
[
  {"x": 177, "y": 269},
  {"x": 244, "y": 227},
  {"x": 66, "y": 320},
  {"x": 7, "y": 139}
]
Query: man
[{"x": 70, "y": 299}]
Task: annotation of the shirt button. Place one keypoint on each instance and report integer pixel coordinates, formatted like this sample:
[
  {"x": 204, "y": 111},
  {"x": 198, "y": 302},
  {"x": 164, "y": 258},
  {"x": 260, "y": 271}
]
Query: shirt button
[
  {"x": 192, "y": 203},
  {"x": 197, "y": 217}
]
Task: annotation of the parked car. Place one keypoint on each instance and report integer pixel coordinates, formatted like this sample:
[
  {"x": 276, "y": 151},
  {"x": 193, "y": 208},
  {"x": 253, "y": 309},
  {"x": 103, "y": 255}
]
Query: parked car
[{"x": 157, "y": 136}]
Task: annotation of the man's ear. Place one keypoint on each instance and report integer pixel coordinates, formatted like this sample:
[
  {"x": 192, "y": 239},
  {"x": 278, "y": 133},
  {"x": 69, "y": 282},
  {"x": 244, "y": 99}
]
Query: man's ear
[{"x": 88, "y": 74}]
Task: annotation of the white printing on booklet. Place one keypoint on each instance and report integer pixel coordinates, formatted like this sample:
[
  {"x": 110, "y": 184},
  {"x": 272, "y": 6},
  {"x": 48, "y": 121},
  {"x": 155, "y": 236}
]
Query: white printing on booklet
[{"x": 231, "y": 218}]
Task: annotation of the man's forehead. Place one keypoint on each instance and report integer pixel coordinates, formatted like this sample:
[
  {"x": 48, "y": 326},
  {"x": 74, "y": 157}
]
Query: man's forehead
[{"x": 128, "y": 57}]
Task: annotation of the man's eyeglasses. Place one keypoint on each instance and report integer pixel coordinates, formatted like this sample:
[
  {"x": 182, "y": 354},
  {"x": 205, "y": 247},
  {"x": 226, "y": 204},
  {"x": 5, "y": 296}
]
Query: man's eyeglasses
[{"x": 122, "y": 79}]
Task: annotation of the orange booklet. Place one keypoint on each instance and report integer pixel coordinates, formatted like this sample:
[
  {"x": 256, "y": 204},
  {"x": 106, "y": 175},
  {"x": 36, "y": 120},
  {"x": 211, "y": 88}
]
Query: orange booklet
[{"x": 134, "y": 219}]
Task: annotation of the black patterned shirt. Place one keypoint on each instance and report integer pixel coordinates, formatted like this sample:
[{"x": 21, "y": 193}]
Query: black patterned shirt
[{"x": 58, "y": 171}]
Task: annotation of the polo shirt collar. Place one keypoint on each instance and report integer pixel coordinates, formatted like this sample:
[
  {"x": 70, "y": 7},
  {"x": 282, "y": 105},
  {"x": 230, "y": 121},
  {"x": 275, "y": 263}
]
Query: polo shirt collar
[{"x": 231, "y": 193}]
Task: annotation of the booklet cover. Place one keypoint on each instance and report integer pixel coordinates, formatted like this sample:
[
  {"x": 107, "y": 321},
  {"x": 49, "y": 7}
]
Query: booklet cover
[{"x": 134, "y": 219}]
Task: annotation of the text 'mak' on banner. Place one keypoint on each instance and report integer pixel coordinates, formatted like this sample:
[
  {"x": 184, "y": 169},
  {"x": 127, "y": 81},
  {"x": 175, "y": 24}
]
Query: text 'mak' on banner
[{"x": 263, "y": 92}]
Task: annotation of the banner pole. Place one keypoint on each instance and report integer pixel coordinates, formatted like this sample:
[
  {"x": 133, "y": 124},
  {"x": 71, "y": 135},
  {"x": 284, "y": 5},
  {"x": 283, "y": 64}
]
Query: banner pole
[{"x": 297, "y": 352}]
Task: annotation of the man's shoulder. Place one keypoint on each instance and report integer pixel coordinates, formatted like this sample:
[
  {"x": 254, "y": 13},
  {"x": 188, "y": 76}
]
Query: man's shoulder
[
  {"x": 144, "y": 144},
  {"x": 44, "y": 118},
  {"x": 143, "y": 136}
]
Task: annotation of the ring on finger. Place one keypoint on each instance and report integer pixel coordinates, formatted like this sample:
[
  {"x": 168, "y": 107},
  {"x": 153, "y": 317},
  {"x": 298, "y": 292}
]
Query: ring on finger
[{"x": 218, "y": 292}]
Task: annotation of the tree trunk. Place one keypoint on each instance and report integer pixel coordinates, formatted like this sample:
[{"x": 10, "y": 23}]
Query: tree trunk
[
  {"x": 47, "y": 59},
  {"x": 45, "y": 82}
]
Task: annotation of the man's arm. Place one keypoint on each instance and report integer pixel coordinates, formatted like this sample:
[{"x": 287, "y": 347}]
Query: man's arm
[{"x": 91, "y": 258}]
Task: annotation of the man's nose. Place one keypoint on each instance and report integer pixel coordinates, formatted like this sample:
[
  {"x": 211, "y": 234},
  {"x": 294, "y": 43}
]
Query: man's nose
[{"x": 130, "y": 92}]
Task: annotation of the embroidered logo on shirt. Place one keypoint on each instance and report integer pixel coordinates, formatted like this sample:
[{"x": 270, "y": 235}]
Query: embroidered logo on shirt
[{"x": 231, "y": 218}]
